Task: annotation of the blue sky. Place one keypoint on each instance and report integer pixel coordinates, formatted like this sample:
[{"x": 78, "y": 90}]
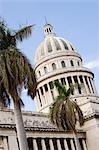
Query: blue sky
[{"x": 75, "y": 20}]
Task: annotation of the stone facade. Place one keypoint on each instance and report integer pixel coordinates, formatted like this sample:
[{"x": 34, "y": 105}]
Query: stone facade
[{"x": 39, "y": 132}]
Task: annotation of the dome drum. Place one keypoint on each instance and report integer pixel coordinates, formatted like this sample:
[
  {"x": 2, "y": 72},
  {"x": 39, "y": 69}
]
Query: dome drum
[{"x": 47, "y": 91}]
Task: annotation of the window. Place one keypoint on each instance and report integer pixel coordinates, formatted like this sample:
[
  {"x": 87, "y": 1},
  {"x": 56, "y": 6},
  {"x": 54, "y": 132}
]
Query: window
[
  {"x": 54, "y": 66},
  {"x": 63, "y": 64},
  {"x": 57, "y": 44},
  {"x": 49, "y": 46},
  {"x": 41, "y": 89},
  {"x": 72, "y": 47},
  {"x": 47, "y": 30},
  {"x": 45, "y": 69},
  {"x": 78, "y": 86},
  {"x": 70, "y": 83},
  {"x": 51, "y": 85},
  {"x": 63, "y": 81},
  {"x": 46, "y": 88},
  {"x": 78, "y": 63},
  {"x": 71, "y": 62},
  {"x": 65, "y": 45},
  {"x": 69, "y": 80},
  {"x": 39, "y": 73}
]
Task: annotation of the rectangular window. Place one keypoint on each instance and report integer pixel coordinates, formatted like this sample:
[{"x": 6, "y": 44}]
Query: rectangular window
[
  {"x": 63, "y": 81},
  {"x": 51, "y": 85},
  {"x": 45, "y": 87}
]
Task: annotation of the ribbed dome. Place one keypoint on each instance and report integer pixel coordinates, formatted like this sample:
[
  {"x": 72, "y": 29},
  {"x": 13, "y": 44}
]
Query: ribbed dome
[{"x": 52, "y": 44}]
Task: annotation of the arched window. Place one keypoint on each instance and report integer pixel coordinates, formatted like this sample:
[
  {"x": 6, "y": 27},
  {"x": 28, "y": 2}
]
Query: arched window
[
  {"x": 45, "y": 69},
  {"x": 63, "y": 64},
  {"x": 65, "y": 45},
  {"x": 57, "y": 44},
  {"x": 71, "y": 62},
  {"x": 39, "y": 73},
  {"x": 72, "y": 47},
  {"x": 78, "y": 63},
  {"x": 49, "y": 46},
  {"x": 54, "y": 66}
]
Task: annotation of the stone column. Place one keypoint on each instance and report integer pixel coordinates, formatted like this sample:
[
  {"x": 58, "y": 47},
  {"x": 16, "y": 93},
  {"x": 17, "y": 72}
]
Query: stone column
[
  {"x": 65, "y": 145},
  {"x": 72, "y": 144},
  {"x": 58, "y": 145},
  {"x": 77, "y": 143},
  {"x": 93, "y": 91},
  {"x": 42, "y": 101},
  {"x": 86, "y": 88},
  {"x": 89, "y": 85},
  {"x": 84, "y": 144},
  {"x": 76, "y": 89},
  {"x": 45, "y": 98},
  {"x": 67, "y": 85},
  {"x": 38, "y": 101},
  {"x": 12, "y": 143},
  {"x": 43, "y": 144},
  {"x": 49, "y": 91},
  {"x": 35, "y": 144},
  {"x": 51, "y": 144},
  {"x": 93, "y": 84},
  {"x": 82, "y": 85},
  {"x": 5, "y": 143}
]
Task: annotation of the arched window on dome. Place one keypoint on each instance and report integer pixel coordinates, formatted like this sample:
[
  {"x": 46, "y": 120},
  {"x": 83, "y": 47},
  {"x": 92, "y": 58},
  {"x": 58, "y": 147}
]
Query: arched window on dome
[
  {"x": 45, "y": 69},
  {"x": 72, "y": 47},
  {"x": 63, "y": 64},
  {"x": 39, "y": 73},
  {"x": 72, "y": 63},
  {"x": 65, "y": 45},
  {"x": 49, "y": 47},
  {"x": 57, "y": 45},
  {"x": 54, "y": 66}
]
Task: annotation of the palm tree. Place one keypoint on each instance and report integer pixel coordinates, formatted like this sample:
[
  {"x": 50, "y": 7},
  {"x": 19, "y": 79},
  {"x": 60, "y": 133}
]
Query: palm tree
[
  {"x": 15, "y": 73},
  {"x": 64, "y": 113}
]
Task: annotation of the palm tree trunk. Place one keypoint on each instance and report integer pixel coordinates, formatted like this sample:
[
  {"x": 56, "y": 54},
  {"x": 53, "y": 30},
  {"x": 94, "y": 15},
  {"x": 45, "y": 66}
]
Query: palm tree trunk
[{"x": 20, "y": 126}]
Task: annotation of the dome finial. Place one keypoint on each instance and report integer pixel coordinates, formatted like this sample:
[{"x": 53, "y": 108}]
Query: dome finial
[{"x": 45, "y": 20}]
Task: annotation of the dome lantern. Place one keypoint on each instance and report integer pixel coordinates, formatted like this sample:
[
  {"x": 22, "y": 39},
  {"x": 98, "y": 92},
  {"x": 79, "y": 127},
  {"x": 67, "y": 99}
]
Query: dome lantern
[{"x": 48, "y": 29}]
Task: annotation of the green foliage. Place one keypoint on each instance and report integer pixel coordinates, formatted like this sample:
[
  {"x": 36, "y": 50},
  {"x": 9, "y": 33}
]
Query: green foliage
[
  {"x": 64, "y": 113},
  {"x": 16, "y": 71}
]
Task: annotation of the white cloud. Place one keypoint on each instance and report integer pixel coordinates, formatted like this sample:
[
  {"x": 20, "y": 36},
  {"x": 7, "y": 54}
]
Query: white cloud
[{"x": 92, "y": 64}]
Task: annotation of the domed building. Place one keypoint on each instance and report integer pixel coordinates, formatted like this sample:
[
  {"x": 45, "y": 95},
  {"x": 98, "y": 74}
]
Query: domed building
[{"x": 56, "y": 59}]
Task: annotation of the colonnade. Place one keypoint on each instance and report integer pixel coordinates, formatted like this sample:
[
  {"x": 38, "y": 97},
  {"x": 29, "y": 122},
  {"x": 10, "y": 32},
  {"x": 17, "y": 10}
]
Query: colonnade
[
  {"x": 50, "y": 145},
  {"x": 46, "y": 93}
]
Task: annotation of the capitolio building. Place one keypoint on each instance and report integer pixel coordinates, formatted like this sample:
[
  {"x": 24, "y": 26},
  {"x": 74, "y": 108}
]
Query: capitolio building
[{"x": 55, "y": 59}]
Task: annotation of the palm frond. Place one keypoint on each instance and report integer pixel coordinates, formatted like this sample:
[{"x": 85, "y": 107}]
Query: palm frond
[
  {"x": 63, "y": 112},
  {"x": 23, "y": 33},
  {"x": 60, "y": 88}
]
